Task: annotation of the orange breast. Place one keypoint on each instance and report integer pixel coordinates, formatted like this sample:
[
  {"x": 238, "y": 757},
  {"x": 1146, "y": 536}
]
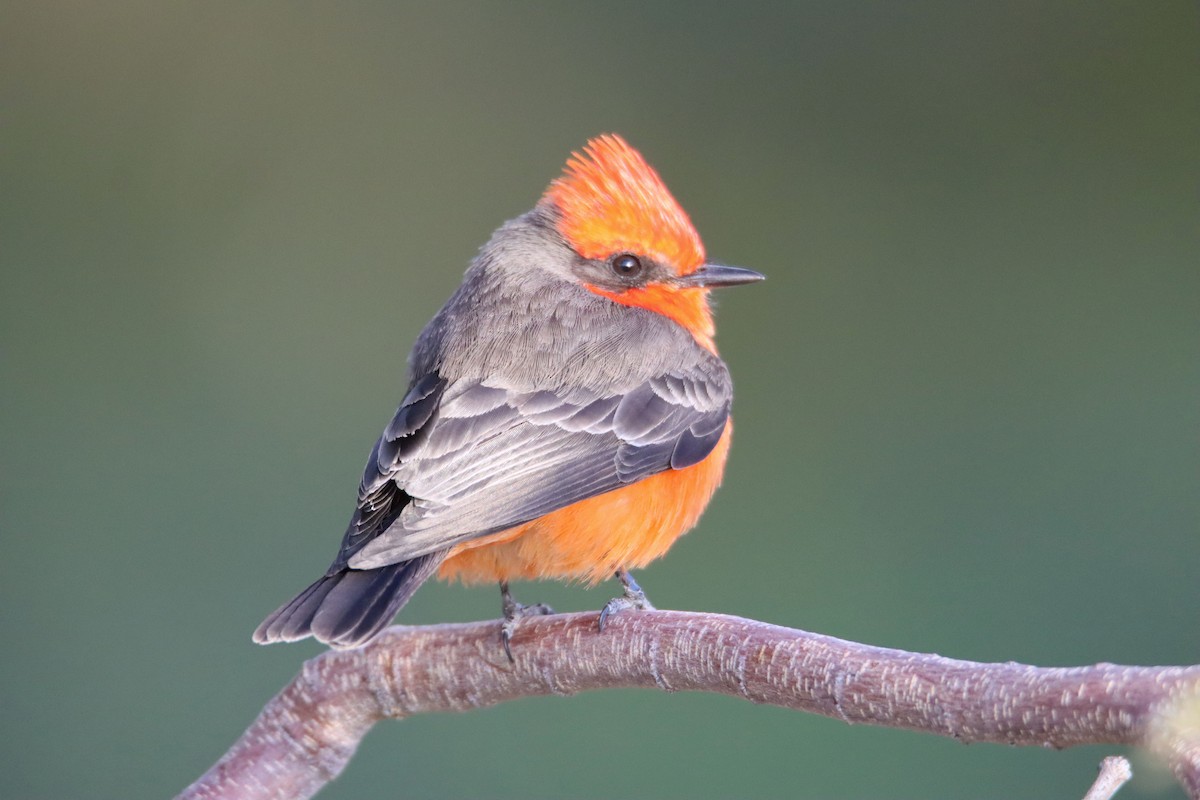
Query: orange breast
[{"x": 590, "y": 540}]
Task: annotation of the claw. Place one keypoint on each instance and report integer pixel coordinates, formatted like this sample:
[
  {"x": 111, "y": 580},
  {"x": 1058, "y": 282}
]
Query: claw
[
  {"x": 513, "y": 612},
  {"x": 634, "y": 599},
  {"x": 507, "y": 629}
]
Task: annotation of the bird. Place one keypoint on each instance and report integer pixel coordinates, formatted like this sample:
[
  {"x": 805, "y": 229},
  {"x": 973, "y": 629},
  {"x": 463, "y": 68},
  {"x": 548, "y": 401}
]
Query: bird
[{"x": 567, "y": 413}]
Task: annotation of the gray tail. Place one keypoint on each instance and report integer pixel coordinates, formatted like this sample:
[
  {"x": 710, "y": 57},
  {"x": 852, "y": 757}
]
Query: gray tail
[{"x": 350, "y": 606}]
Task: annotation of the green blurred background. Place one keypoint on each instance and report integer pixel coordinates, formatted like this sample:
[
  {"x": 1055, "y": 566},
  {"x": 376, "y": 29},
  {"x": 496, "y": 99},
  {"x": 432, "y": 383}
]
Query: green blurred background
[{"x": 967, "y": 397}]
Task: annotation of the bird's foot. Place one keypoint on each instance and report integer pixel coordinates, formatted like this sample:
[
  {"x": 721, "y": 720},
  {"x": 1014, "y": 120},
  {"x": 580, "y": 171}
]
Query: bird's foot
[
  {"x": 513, "y": 613},
  {"x": 634, "y": 599}
]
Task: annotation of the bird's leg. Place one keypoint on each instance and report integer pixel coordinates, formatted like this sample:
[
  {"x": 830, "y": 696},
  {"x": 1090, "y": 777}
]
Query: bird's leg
[
  {"x": 633, "y": 599},
  {"x": 513, "y": 611}
]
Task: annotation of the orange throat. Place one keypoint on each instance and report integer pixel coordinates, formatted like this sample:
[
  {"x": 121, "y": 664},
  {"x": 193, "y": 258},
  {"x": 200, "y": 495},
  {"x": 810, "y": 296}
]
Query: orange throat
[{"x": 687, "y": 307}]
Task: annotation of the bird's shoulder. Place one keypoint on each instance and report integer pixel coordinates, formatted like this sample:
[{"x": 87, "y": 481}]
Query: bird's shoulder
[{"x": 555, "y": 334}]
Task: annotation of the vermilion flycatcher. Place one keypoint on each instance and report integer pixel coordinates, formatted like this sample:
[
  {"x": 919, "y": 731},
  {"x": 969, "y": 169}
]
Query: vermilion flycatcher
[{"x": 567, "y": 413}]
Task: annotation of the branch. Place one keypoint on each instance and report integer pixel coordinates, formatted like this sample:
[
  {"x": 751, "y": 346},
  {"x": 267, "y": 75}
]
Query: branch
[
  {"x": 308, "y": 732},
  {"x": 1115, "y": 771}
]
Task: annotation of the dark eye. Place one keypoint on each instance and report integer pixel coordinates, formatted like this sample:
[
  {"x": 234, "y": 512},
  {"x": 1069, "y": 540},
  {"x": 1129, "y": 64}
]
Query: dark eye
[{"x": 626, "y": 265}]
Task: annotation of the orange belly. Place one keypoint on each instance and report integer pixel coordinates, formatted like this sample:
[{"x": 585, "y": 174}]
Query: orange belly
[{"x": 590, "y": 540}]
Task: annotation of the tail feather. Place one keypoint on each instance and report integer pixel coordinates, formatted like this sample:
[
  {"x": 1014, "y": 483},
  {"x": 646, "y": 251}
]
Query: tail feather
[{"x": 349, "y": 607}]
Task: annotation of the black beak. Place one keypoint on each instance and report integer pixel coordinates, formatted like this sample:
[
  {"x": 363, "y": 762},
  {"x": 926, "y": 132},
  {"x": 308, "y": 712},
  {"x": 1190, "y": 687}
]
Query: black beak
[{"x": 713, "y": 276}]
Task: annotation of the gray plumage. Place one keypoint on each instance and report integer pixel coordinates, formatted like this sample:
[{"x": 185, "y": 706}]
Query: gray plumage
[{"x": 527, "y": 393}]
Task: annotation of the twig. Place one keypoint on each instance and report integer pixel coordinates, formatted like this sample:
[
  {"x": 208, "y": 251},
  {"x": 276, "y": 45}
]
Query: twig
[
  {"x": 306, "y": 734},
  {"x": 1115, "y": 772}
]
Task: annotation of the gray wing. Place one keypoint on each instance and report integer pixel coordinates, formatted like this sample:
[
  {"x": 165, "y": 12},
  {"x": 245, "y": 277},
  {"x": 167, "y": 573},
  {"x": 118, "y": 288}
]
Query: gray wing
[
  {"x": 471, "y": 459},
  {"x": 380, "y": 498}
]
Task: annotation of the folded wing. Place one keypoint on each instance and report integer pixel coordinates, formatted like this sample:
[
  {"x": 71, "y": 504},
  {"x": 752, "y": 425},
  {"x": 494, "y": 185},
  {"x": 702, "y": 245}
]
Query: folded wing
[{"x": 465, "y": 459}]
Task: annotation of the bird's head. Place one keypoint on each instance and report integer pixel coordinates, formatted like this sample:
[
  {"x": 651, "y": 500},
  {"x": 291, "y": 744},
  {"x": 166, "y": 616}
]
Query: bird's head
[{"x": 634, "y": 242}]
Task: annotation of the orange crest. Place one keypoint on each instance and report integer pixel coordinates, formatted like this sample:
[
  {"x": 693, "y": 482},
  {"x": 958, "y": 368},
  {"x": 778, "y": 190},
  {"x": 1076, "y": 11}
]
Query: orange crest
[{"x": 610, "y": 201}]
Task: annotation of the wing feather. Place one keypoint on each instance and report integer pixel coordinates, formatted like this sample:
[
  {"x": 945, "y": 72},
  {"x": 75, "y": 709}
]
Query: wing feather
[{"x": 472, "y": 459}]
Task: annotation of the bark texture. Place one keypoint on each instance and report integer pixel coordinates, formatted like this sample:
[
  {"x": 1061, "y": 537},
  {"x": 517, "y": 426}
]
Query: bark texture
[{"x": 305, "y": 735}]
